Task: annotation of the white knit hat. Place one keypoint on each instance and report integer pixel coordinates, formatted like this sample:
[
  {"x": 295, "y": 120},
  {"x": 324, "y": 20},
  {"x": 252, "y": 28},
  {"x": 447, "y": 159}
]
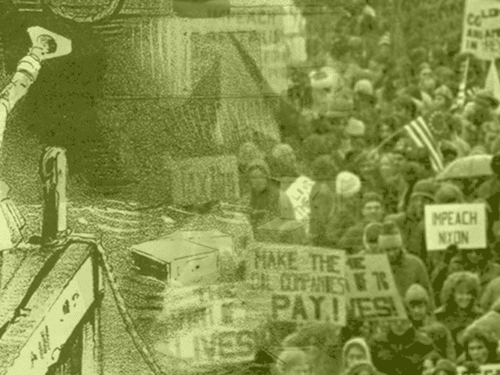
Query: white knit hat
[
  {"x": 355, "y": 128},
  {"x": 347, "y": 184},
  {"x": 364, "y": 86}
]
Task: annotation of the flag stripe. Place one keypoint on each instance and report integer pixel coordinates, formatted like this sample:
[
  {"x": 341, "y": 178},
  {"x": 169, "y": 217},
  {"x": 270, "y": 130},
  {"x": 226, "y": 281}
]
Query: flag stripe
[
  {"x": 428, "y": 144},
  {"x": 422, "y": 136},
  {"x": 414, "y": 137},
  {"x": 423, "y": 125}
]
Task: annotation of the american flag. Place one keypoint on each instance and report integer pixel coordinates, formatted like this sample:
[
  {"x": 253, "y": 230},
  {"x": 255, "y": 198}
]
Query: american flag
[{"x": 423, "y": 137}]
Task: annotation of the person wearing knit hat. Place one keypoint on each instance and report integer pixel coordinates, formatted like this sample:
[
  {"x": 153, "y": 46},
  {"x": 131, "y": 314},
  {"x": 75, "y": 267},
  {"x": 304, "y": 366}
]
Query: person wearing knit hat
[
  {"x": 346, "y": 208},
  {"x": 364, "y": 87},
  {"x": 407, "y": 268},
  {"x": 354, "y": 351},
  {"x": 283, "y": 161},
  {"x": 347, "y": 185},
  {"x": 418, "y": 305},
  {"x": 355, "y": 128},
  {"x": 372, "y": 211},
  {"x": 370, "y": 238}
]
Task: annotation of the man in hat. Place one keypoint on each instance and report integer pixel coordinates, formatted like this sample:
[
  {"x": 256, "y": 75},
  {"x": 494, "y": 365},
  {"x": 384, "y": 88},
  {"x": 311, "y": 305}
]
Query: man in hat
[
  {"x": 407, "y": 269},
  {"x": 411, "y": 221},
  {"x": 346, "y": 208},
  {"x": 372, "y": 211},
  {"x": 417, "y": 302}
]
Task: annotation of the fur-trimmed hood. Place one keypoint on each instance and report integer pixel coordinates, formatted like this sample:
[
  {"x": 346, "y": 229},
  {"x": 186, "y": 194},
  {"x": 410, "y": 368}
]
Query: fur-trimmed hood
[
  {"x": 360, "y": 343},
  {"x": 451, "y": 283}
]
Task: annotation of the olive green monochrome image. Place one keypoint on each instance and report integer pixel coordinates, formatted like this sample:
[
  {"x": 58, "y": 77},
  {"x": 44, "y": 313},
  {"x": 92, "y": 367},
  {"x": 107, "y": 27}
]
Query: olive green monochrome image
[{"x": 239, "y": 187}]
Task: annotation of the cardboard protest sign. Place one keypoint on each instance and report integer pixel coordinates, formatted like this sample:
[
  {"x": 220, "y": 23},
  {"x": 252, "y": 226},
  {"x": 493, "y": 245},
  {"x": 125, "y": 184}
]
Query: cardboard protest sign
[
  {"x": 371, "y": 290},
  {"x": 298, "y": 196},
  {"x": 205, "y": 179},
  {"x": 463, "y": 225},
  {"x": 485, "y": 370},
  {"x": 299, "y": 283},
  {"x": 211, "y": 328},
  {"x": 481, "y": 29}
]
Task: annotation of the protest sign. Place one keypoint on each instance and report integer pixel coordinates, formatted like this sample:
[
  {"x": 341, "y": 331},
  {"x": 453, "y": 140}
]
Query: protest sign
[
  {"x": 298, "y": 197},
  {"x": 218, "y": 332},
  {"x": 463, "y": 225},
  {"x": 299, "y": 283},
  {"x": 481, "y": 29},
  {"x": 484, "y": 370},
  {"x": 205, "y": 179},
  {"x": 371, "y": 290}
]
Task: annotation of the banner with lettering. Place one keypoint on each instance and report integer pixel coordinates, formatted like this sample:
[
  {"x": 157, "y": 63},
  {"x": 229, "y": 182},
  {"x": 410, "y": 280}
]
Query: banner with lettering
[
  {"x": 463, "y": 225},
  {"x": 299, "y": 283},
  {"x": 481, "y": 30},
  {"x": 206, "y": 327},
  {"x": 484, "y": 370},
  {"x": 205, "y": 179},
  {"x": 371, "y": 290}
]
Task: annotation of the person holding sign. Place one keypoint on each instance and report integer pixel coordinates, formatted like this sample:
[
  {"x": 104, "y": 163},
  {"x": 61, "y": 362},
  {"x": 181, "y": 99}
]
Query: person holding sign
[
  {"x": 417, "y": 302},
  {"x": 412, "y": 221}
]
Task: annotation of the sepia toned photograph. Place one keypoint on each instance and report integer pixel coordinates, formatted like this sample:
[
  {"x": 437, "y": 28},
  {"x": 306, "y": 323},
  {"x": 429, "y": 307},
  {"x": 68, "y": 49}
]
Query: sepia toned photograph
[{"x": 239, "y": 187}]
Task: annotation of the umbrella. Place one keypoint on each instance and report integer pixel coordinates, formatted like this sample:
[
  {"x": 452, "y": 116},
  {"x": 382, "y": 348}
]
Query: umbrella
[{"x": 473, "y": 166}]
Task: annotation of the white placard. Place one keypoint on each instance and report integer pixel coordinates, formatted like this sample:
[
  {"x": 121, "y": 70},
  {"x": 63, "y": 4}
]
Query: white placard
[
  {"x": 463, "y": 225},
  {"x": 481, "y": 29}
]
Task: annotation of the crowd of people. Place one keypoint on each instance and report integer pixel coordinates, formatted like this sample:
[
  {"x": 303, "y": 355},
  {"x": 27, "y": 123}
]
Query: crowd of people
[{"x": 371, "y": 186}]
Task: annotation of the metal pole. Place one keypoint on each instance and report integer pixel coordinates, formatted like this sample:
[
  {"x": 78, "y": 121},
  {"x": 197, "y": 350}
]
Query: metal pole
[{"x": 53, "y": 171}]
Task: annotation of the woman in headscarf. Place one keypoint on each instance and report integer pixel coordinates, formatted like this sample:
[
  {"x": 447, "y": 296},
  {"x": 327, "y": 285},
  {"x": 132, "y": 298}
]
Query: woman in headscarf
[
  {"x": 355, "y": 350},
  {"x": 459, "y": 298}
]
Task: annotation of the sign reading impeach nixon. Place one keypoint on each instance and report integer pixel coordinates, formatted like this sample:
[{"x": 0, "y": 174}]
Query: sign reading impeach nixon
[
  {"x": 299, "y": 283},
  {"x": 463, "y": 225}
]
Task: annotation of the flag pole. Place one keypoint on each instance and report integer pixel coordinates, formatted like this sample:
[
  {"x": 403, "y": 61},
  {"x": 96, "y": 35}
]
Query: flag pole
[
  {"x": 383, "y": 143},
  {"x": 463, "y": 84}
]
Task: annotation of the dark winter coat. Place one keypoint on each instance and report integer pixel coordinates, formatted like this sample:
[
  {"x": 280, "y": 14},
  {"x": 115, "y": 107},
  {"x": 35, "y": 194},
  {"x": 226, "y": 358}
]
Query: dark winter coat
[{"x": 403, "y": 355}]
